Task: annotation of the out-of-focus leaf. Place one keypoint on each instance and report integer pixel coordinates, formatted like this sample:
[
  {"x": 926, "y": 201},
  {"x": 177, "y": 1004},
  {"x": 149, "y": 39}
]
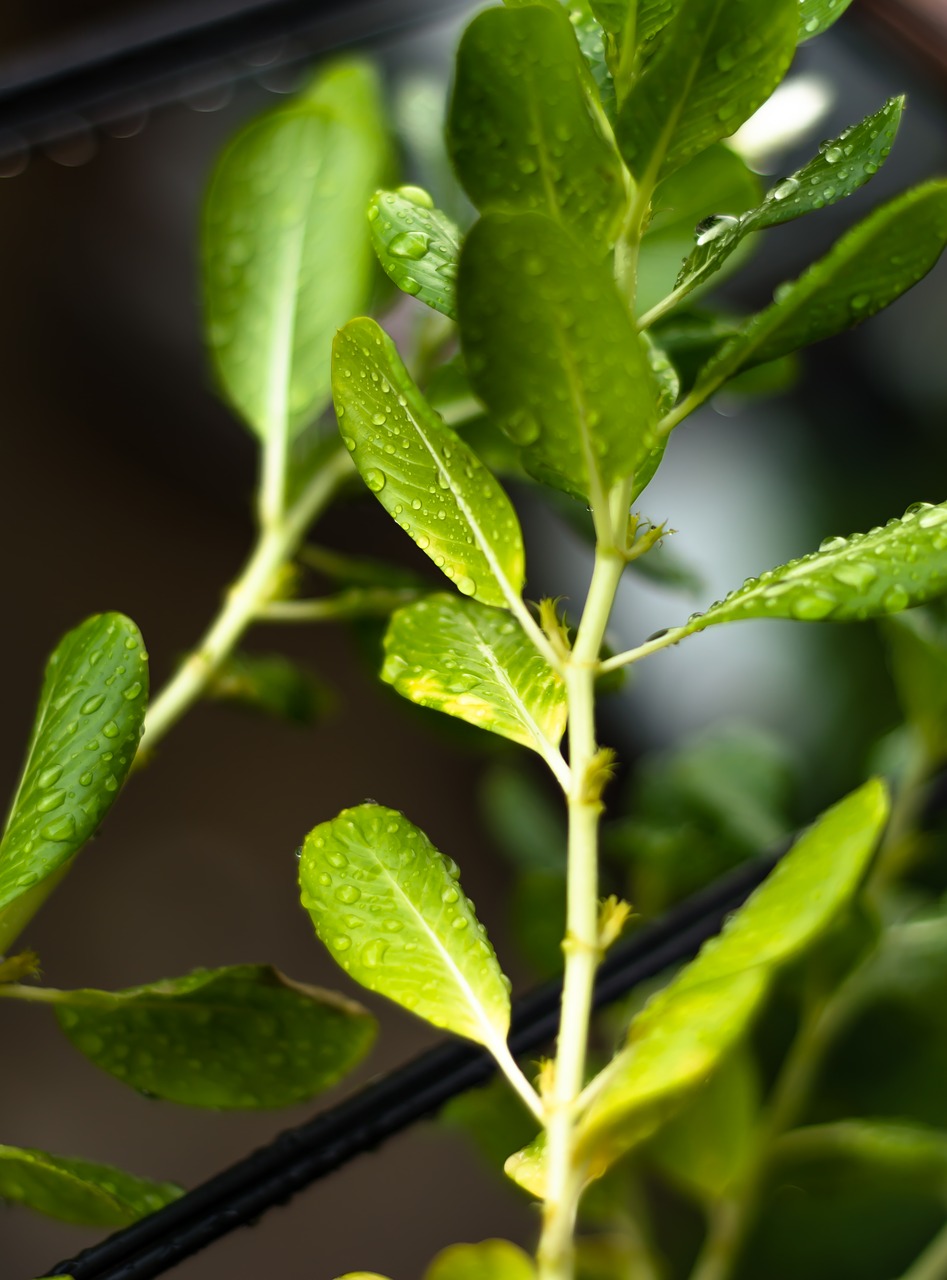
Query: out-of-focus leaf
[
  {"x": 715, "y": 182},
  {"x": 272, "y": 684},
  {"x": 244, "y": 1037},
  {"x": 917, "y": 643},
  {"x": 718, "y": 61},
  {"x": 389, "y": 908},
  {"x": 866, "y": 575},
  {"x": 286, "y": 247},
  {"x": 93, "y": 1195},
  {"x": 816, "y": 16},
  {"x": 85, "y": 735},
  {"x": 592, "y": 43},
  {"x": 475, "y": 663},
  {"x": 553, "y": 353},
  {"x": 842, "y": 165},
  {"x": 522, "y": 130},
  {"x": 421, "y": 472},
  {"x": 524, "y": 822},
  {"x": 417, "y": 245},
  {"x": 489, "y": 1260},
  {"x": 868, "y": 269}
]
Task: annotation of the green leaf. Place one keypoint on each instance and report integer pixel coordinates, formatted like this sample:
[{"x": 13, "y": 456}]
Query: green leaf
[
  {"x": 865, "y": 271},
  {"x": 286, "y": 247},
  {"x": 611, "y": 14},
  {"x": 866, "y": 575},
  {"x": 554, "y": 354},
  {"x": 717, "y": 181},
  {"x": 421, "y": 472},
  {"x": 389, "y": 908},
  {"x": 417, "y": 245},
  {"x": 595, "y": 50},
  {"x": 816, "y": 16},
  {"x": 243, "y": 1037},
  {"x": 906, "y": 1151},
  {"x": 87, "y": 727},
  {"x": 475, "y": 663},
  {"x": 522, "y": 130},
  {"x": 272, "y": 684},
  {"x": 718, "y": 61},
  {"x": 918, "y": 648},
  {"x": 489, "y": 1260},
  {"x": 842, "y": 166},
  {"x": 92, "y": 1195},
  {"x": 680, "y": 1037}
]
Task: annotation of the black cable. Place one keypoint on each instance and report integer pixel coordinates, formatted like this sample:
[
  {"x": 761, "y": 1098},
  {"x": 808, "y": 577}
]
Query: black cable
[
  {"x": 298, "y": 1157},
  {"x": 175, "y": 51}
]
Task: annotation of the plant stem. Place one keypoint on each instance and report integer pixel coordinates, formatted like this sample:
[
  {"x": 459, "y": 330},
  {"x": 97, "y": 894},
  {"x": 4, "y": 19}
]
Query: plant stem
[
  {"x": 277, "y": 543},
  {"x": 581, "y": 945},
  {"x": 932, "y": 1263},
  {"x": 358, "y": 602}
]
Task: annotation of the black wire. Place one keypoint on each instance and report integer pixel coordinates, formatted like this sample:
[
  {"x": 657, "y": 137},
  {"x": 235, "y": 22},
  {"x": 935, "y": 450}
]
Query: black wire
[
  {"x": 298, "y": 1157},
  {"x": 149, "y": 61}
]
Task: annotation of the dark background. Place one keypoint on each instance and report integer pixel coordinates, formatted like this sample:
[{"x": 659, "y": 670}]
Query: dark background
[{"x": 124, "y": 484}]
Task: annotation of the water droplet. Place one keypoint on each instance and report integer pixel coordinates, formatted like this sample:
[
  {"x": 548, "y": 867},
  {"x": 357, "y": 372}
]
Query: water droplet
[
  {"x": 349, "y": 443},
  {"x": 833, "y": 544},
  {"x": 24, "y": 881},
  {"x": 62, "y": 829},
  {"x": 450, "y": 895},
  {"x": 895, "y": 599},
  {"x": 92, "y": 704},
  {"x": 712, "y": 228},
  {"x": 132, "y": 692},
  {"x": 341, "y": 942},
  {"x": 110, "y": 730},
  {"x": 373, "y": 953},
  {"x": 417, "y": 196},
  {"x": 86, "y": 778},
  {"x": 466, "y": 586},
  {"x": 860, "y": 301},
  {"x": 379, "y": 419},
  {"x": 375, "y": 479},
  {"x": 459, "y": 922},
  {"x": 348, "y": 894},
  {"x": 51, "y": 801},
  {"x": 812, "y": 26},
  {"x": 49, "y": 776},
  {"x": 832, "y": 154},
  {"x": 784, "y": 189},
  {"x": 810, "y": 606},
  {"x": 858, "y": 575},
  {"x": 930, "y": 519},
  {"x": 410, "y": 244}
]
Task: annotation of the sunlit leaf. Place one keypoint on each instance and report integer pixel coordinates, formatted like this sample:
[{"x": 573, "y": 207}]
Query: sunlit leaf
[
  {"x": 718, "y": 61},
  {"x": 842, "y": 166},
  {"x": 866, "y": 575},
  {"x": 522, "y": 129},
  {"x": 389, "y": 908},
  {"x": 816, "y": 16},
  {"x": 417, "y": 245},
  {"x": 475, "y": 663},
  {"x": 489, "y": 1260},
  {"x": 421, "y": 472},
  {"x": 868, "y": 269},
  {"x": 86, "y": 731},
  {"x": 93, "y": 1195},
  {"x": 243, "y": 1037},
  {"x": 286, "y": 247},
  {"x": 553, "y": 353}
]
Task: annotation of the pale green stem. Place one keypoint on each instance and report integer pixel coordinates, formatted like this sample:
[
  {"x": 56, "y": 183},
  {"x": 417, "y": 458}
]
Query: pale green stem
[
  {"x": 510, "y": 1068},
  {"x": 932, "y": 1263},
  {"x": 360, "y": 602},
  {"x": 51, "y": 995},
  {"x": 663, "y": 307},
  {"x": 581, "y": 945},
  {"x": 673, "y": 636},
  {"x": 276, "y": 544}
]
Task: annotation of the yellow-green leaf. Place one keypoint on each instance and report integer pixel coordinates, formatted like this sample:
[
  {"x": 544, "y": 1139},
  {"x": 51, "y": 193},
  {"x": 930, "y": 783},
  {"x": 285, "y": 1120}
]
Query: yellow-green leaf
[
  {"x": 489, "y": 1260},
  {"x": 417, "y": 245}
]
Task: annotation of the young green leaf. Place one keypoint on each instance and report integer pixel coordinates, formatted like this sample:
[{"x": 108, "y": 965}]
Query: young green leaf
[
  {"x": 522, "y": 130},
  {"x": 417, "y": 245},
  {"x": 272, "y": 684},
  {"x": 87, "y": 727},
  {"x": 906, "y": 1151},
  {"x": 684, "y": 1032},
  {"x": 866, "y": 575},
  {"x": 718, "y": 61},
  {"x": 389, "y": 908},
  {"x": 816, "y": 16},
  {"x": 488, "y": 1260},
  {"x": 842, "y": 166},
  {"x": 243, "y": 1037},
  {"x": 286, "y": 248},
  {"x": 92, "y": 1195},
  {"x": 870, "y": 267},
  {"x": 553, "y": 353},
  {"x": 421, "y": 472},
  {"x": 472, "y": 662}
]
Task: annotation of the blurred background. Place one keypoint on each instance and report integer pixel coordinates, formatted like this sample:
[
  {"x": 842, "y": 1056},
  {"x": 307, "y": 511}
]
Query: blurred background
[{"x": 127, "y": 485}]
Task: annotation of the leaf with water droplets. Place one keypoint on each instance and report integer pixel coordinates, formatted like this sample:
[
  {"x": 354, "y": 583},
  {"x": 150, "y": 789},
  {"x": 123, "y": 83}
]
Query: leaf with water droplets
[
  {"x": 475, "y": 663},
  {"x": 71, "y": 1190},
  {"x": 866, "y": 575},
  {"x": 842, "y": 165},
  {"x": 717, "y": 62},
  {"x": 421, "y": 472},
  {"x": 286, "y": 247},
  {"x": 487, "y": 1260},
  {"x": 686, "y": 1030},
  {"x": 816, "y": 16},
  {"x": 389, "y": 908},
  {"x": 868, "y": 269},
  {"x": 417, "y": 245},
  {"x": 241, "y": 1038},
  {"x": 553, "y": 352},
  {"x": 523, "y": 132},
  {"x": 88, "y": 722}
]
